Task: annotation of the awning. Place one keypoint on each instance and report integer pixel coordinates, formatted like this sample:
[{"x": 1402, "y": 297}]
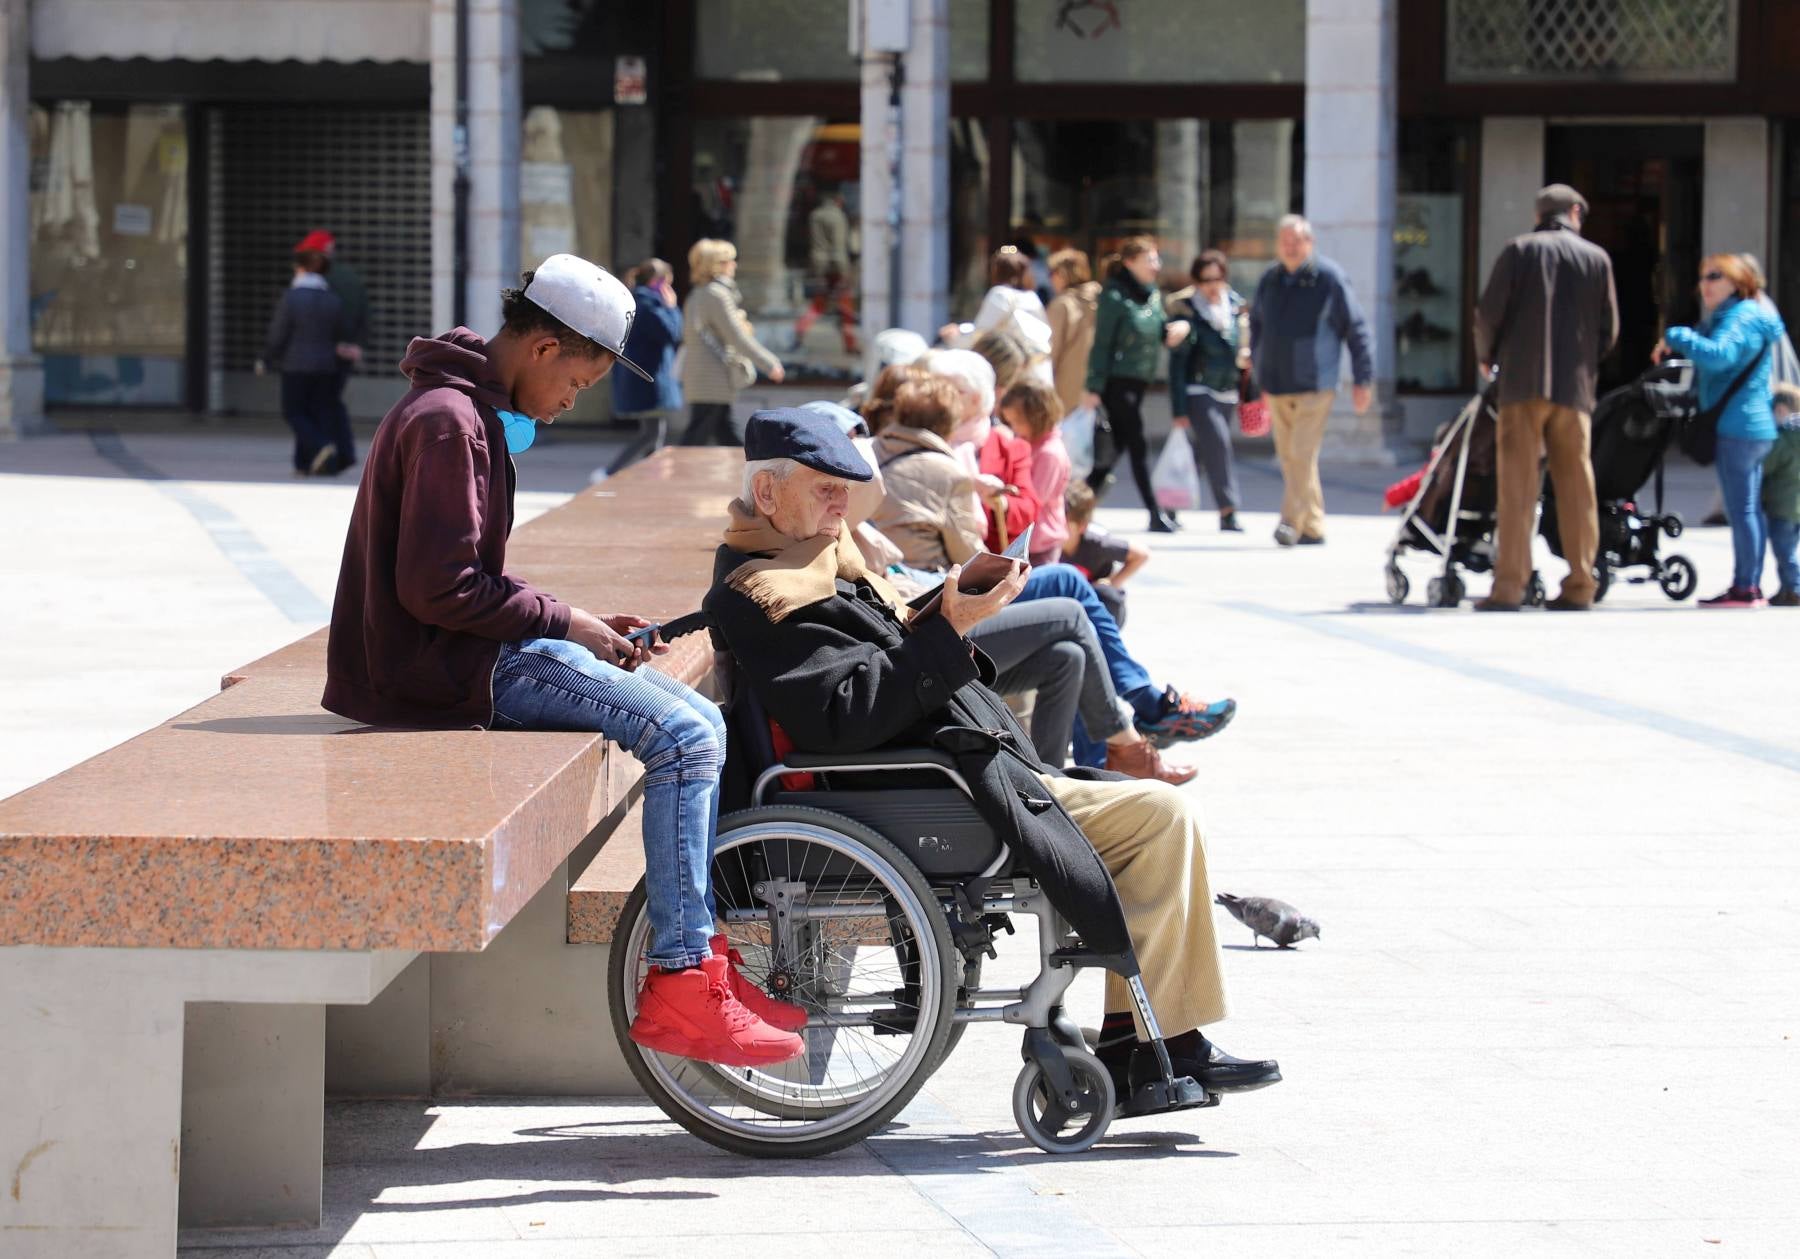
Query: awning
[{"x": 232, "y": 30}]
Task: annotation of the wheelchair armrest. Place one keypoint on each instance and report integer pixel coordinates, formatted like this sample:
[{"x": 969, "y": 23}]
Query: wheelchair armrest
[
  {"x": 880, "y": 758},
  {"x": 898, "y": 759}
]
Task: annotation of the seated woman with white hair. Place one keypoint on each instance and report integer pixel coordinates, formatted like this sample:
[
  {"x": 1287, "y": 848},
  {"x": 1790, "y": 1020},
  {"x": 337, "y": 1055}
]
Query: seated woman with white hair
[{"x": 1002, "y": 465}]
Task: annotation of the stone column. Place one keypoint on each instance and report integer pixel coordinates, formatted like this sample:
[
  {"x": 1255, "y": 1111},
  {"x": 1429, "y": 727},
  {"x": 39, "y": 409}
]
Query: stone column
[
  {"x": 880, "y": 211},
  {"x": 925, "y": 172},
  {"x": 1512, "y": 171},
  {"x": 21, "y": 374},
  {"x": 495, "y": 137},
  {"x": 1351, "y": 139},
  {"x": 1734, "y": 215}
]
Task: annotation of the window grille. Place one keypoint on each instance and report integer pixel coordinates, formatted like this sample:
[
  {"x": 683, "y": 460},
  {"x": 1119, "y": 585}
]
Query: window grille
[
  {"x": 1592, "y": 40},
  {"x": 364, "y": 175}
]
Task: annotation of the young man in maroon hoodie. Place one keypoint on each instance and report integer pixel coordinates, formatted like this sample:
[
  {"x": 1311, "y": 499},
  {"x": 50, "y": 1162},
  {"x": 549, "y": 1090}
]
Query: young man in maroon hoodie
[{"x": 429, "y": 631}]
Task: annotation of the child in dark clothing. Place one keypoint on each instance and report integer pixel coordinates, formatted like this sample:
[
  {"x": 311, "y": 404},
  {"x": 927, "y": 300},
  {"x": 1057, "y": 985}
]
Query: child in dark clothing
[{"x": 1106, "y": 559}]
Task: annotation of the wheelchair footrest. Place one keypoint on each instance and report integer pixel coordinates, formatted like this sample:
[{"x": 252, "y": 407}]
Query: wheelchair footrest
[{"x": 1156, "y": 1098}]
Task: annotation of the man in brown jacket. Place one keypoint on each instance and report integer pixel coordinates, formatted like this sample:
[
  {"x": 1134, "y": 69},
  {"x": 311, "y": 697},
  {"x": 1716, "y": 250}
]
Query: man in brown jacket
[{"x": 1547, "y": 317}]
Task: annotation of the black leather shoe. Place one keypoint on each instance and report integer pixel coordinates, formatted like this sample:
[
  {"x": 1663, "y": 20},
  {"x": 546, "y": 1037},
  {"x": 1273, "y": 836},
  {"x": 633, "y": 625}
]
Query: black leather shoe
[
  {"x": 1160, "y": 523},
  {"x": 1228, "y": 523},
  {"x": 1218, "y": 1073},
  {"x": 1310, "y": 539}
]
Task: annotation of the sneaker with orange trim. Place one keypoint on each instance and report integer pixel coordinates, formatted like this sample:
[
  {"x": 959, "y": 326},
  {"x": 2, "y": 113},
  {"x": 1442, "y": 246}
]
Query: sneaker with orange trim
[
  {"x": 776, "y": 1013},
  {"x": 692, "y": 1014}
]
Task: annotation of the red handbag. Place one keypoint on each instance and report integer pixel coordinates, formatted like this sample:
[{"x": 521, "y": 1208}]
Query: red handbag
[{"x": 1253, "y": 408}]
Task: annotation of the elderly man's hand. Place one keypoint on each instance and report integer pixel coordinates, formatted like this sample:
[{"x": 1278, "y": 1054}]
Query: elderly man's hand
[{"x": 966, "y": 611}]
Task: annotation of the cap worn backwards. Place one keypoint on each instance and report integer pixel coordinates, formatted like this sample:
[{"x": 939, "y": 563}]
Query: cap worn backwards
[
  {"x": 808, "y": 438},
  {"x": 589, "y": 299}
]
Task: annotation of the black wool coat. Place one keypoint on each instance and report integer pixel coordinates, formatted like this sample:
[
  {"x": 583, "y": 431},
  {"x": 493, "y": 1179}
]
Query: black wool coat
[{"x": 843, "y": 675}]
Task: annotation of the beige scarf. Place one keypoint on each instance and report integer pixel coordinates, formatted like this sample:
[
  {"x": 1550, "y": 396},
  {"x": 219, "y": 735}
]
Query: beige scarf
[{"x": 797, "y": 574}]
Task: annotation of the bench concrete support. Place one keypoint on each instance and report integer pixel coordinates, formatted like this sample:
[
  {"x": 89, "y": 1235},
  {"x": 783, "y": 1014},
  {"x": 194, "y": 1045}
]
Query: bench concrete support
[
  {"x": 91, "y": 1117},
  {"x": 252, "y": 1115}
]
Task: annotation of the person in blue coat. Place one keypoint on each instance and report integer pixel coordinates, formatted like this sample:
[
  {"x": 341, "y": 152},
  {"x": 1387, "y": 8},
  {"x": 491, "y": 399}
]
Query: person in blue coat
[
  {"x": 1736, "y": 334},
  {"x": 655, "y": 336}
]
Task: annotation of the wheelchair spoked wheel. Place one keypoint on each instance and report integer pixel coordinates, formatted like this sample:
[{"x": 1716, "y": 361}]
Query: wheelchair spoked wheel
[{"x": 831, "y": 916}]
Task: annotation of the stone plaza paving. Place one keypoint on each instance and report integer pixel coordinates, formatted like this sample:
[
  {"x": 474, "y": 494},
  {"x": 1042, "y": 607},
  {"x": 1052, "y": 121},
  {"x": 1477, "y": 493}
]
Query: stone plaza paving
[{"x": 1555, "y": 1009}]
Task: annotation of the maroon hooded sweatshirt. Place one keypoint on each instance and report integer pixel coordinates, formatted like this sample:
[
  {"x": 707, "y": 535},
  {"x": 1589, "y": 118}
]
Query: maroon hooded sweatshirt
[{"x": 423, "y": 600}]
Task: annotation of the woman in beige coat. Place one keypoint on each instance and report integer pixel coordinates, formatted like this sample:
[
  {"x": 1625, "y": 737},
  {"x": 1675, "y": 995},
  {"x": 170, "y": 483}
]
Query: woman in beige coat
[
  {"x": 930, "y": 510},
  {"x": 717, "y": 343},
  {"x": 1071, "y": 323}
]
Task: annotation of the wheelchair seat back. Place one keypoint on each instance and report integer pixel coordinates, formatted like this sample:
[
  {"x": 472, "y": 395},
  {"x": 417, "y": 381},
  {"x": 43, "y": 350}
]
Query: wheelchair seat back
[{"x": 923, "y": 813}]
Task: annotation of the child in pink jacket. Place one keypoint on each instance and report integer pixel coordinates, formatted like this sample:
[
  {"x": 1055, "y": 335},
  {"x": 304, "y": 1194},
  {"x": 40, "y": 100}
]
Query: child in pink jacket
[{"x": 1033, "y": 411}]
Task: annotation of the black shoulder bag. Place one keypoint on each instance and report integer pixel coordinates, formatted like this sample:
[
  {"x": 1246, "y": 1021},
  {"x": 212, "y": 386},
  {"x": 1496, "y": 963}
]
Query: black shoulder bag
[{"x": 1699, "y": 436}]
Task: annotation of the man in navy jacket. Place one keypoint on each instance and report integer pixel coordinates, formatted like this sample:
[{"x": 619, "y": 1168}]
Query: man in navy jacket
[{"x": 1303, "y": 318}]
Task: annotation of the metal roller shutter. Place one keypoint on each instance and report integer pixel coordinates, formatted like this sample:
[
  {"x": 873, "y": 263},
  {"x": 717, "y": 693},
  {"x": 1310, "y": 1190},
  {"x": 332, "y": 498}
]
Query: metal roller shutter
[{"x": 362, "y": 174}]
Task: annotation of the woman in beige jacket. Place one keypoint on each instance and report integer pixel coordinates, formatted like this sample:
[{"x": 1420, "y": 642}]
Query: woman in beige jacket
[
  {"x": 1071, "y": 323},
  {"x": 930, "y": 510},
  {"x": 716, "y": 338}
]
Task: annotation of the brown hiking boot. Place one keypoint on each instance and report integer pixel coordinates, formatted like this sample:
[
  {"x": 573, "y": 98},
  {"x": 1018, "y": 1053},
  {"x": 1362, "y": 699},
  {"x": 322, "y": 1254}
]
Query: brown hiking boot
[{"x": 1142, "y": 760}]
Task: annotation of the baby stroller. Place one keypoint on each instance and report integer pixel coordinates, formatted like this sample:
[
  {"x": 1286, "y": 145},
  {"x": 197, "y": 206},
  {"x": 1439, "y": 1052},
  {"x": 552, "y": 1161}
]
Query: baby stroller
[
  {"x": 1451, "y": 516},
  {"x": 866, "y": 888},
  {"x": 1633, "y": 426}
]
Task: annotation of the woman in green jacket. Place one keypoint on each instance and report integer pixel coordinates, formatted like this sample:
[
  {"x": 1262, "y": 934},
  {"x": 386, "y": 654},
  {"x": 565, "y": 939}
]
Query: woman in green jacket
[{"x": 1130, "y": 330}]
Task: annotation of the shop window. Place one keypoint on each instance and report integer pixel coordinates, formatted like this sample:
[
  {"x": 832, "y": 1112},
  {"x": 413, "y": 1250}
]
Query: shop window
[
  {"x": 548, "y": 27},
  {"x": 1088, "y": 184},
  {"x": 109, "y": 252},
  {"x": 969, "y": 244},
  {"x": 1429, "y": 265},
  {"x": 786, "y": 192},
  {"x": 766, "y": 40},
  {"x": 565, "y": 184},
  {"x": 1787, "y": 275},
  {"x": 1597, "y": 40},
  {"x": 1160, "y": 41}
]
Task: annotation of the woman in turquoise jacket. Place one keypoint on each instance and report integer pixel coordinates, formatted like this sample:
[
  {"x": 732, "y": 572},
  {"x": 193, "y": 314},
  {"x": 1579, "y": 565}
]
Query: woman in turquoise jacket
[{"x": 1735, "y": 333}]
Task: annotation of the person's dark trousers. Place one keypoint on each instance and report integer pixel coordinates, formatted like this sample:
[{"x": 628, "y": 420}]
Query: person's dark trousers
[
  {"x": 1049, "y": 646},
  {"x": 1209, "y": 431},
  {"x": 338, "y": 431},
  {"x": 709, "y": 424},
  {"x": 1124, "y": 402},
  {"x": 308, "y": 404},
  {"x": 652, "y": 436}
]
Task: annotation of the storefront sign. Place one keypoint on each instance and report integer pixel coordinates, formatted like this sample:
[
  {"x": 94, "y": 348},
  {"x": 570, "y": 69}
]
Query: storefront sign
[
  {"x": 131, "y": 220},
  {"x": 630, "y": 81}
]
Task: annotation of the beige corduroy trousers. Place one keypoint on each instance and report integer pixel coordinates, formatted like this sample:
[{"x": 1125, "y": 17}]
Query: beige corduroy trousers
[{"x": 1149, "y": 835}]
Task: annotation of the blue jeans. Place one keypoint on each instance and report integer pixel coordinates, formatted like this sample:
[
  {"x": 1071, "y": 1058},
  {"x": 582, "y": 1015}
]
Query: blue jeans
[
  {"x": 1740, "y": 482},
  {"x": 1784, "y": 540},
  {"x": 679, "y": 735},
  {"x": 1130, "y": 679}
]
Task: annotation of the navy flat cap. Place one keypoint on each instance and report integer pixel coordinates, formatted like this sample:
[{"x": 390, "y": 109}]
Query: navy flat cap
[{"x": 807, "y": 438}]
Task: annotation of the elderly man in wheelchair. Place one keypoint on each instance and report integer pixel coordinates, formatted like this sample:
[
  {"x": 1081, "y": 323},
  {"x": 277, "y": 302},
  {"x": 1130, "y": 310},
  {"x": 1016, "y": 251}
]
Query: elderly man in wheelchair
[{"x": 898, "y": 818}]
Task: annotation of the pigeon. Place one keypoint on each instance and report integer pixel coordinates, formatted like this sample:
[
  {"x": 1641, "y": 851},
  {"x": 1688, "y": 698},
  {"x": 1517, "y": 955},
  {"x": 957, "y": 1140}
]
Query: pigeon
[{"x": 1266, "y": 916}]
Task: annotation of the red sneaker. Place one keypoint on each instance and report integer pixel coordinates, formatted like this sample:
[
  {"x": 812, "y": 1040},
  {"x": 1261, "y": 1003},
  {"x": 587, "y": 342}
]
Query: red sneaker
[
  {"x": 692, "y": 1014},
  {"x": 776, "y": 1013}
]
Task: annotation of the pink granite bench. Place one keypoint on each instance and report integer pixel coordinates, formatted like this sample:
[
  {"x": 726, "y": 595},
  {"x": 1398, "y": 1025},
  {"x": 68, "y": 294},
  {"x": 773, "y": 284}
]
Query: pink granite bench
[{"x": 206, "y": 927}]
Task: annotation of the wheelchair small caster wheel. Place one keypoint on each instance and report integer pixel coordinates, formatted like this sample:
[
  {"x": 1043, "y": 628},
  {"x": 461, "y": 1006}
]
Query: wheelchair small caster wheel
[
  {"x": 1534, "y": 591},
  {"x": 1065, "y": 1125},
  {"x": 1672, "y": 525},
  {"x": 1444, "y": 592},
  {"x": 1677, "y": 577}
]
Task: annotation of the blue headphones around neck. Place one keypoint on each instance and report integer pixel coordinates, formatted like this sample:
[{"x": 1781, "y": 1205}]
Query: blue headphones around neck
[{"x": 521, "y": 431}]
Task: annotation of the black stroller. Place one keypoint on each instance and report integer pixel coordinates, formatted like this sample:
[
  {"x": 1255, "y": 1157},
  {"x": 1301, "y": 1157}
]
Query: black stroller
[
  {"x": 1633, "y": 426},
  {"x": 1451, "y": 515}
]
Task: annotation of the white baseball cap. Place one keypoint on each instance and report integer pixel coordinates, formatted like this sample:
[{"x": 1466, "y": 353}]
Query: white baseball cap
[{"x": 590, "y": 299}]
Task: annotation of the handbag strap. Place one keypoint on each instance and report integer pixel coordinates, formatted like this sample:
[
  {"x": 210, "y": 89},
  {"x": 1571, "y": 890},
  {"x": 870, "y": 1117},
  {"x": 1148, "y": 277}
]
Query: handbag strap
[{"x": 1711, "y": 414}]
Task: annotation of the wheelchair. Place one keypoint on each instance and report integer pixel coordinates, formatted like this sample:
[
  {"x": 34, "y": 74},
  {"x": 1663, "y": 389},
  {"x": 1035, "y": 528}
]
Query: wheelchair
[{"x": 868, "y": 890}]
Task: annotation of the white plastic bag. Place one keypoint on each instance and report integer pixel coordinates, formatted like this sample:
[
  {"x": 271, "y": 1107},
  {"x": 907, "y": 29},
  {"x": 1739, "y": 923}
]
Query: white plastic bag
[
  {"x": 1078, "y": 436},
  {"x": 1175, "y": 480}
]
